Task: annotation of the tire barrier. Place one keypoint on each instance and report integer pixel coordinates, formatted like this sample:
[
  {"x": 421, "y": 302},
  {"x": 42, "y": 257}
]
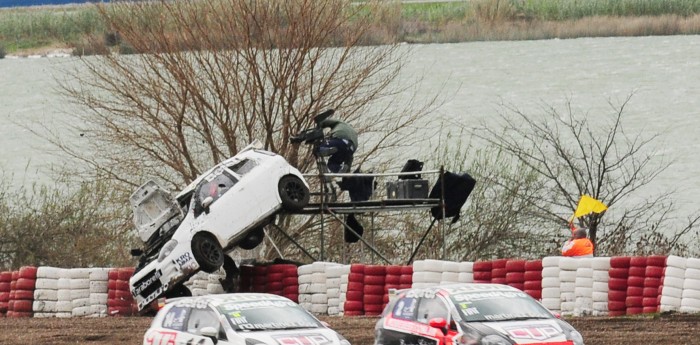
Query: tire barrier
[
  {"x": 672, "y": 290},
  {"x": 120, "y": 302},
  {"x": 532, "y": 284},
  {"x": 353, "y": 305},
  {"x": 5, "y": 282},
  {"x": 690, "y": 297},
  {"x": 572, "y": 286}
]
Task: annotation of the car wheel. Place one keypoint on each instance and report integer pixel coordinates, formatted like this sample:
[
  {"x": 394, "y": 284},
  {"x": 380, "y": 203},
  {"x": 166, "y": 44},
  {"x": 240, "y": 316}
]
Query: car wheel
[
  {"x": 253, "y": 239},
  {"x": 293, "y": 192},
  {"x": 207, "y": 252}
]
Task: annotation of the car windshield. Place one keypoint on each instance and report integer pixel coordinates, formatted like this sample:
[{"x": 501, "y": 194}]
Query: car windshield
[
  {"x": 269, "y": 314},
  {"x": 498, "y": 305}
]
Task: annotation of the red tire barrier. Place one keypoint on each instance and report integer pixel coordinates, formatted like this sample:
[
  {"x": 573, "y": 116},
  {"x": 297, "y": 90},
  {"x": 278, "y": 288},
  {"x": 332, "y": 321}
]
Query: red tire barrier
[
  {"x": 356, "y": 277},
  {"x": 5, "y": 277},
  {"x": 373, "y": 299},
  {"x": 357, "y": 268},
  {"x": 634, "y": 310},
  {"x": 290, "y": 281},
  {"x": 650, "y": 292},
  {"x": 394, "y": 270},
  {"x": 355, "y": 296},
  {"x": 654, "y": 272},
  {"x": 652, "y": 282},
  {"x": 24, "y": 295},
  {"x": 393, "y": 279},
  {"x": 616, "y": 306},
  {"x": 500, "y": 263},
  {"x": 635, "y": 281},
  {"x": 649, "y": 302},
  {"x": 637, "y": 271},
  {"x": 375, "y": 270},
  {"x": 406, "y": 279},
  {"x": 498, "y": 273},
  {"x": 634, "y": 301},
  {"x": 482, "y": 276},
  {"x": 406, "y": 270},
  {"x": 374, "y": 280},
  {"x": 532, "y": 285},
  {"x": 125, "y": 273},
  {"x": 515, "y": 277},
  {"x": 650, "y": 310},
  {"x": 636, "y": 291},
  {"x": 25, "y": 284},
  {"x": 22, "y": 306},
  {"x": 617, "y": 295},
  {"x": 373, "y": 289},
  {"x": 355, "y": 286},
  {"x": 290, "y": 290}
]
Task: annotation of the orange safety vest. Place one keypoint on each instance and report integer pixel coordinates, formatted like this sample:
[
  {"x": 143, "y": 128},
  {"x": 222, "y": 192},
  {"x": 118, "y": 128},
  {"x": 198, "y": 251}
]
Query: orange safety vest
[{"x": 577, "y": 247}]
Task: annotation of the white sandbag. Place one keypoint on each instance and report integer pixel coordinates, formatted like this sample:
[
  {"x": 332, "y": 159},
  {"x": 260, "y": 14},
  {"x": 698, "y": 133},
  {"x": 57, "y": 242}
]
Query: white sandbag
[
  {"x": 46, "y": 295},
  {"x": 674, "y": 282},
  {"x": 98, "y": 310},
  {"x": 466, "y": 267},
  {"x": 77, "y": 273},
  {"x": 81, "y": 311},
  {"x": 44, "y": 306},
  {"x": 600, "y": 264},
  {"x": 553, "y": 304},
  {"x": 304, "y": 279},
  {"x": 64, "y": 315},
  {"x": 63, "y": 295},
  {"x": 305, "y": 269},
  {"x": 583, "y": 292},
  {"x": 63, "y": 284},
  {"x": 199, "y": 291},
  {"x": 43, "y": 315},
  {"x": 304, "y": 288},
  {"x": 434, "y": 266},
  {"x": 98, "y": 298},
  {"x": 692, "y": 263},
  {"x": 551, "y": 261},
  {"x": 551, "y": 293},
  {"x": 466, "y": 277},
  {"x": 98, "y": 286},
  {"x": 450, "y": 266},
  {"x": 567, "y": 297},
  {"x": 317, "y": 288},
  {"x": 550, "y": 272},
  {"x": 318, "y": 278},
  {"x": 690, "y": 293},
  {"x": 99, "y": 274},
  {"x": 48, "y": 272},
  {"x": 601, "y": 276},
  {"x": 567, "y": 276},
  {"x": 78, "y": 294},
  {"x": 319, "y": 309},
  {"x": 80, "y": 302},
  {"x": 692, "y": 273},
  {"x": 215, "y": 289},
  {"x": 333, "y": 282},
  {"x": 600, "y": 306},
  {"x": 319, "y": 298},
  {"x": 568, "y": 264},
  {"x": 668, "y": 300},
  {"x": 598, "y": 296},
  {"x": 567, "y": 287},
  {"x": 46, "y": 284},
  {"x": 551, "y": 282},
  {"x": 64, "y": 306},
  {"x": 583, "y": 282},
  {"x": 333, "y": 293},
  {"x": 691, "y": 284},
  {"x": 672, "y": 291},
  {"x": 452, "y": 277},
  {"x": 305, "y": 298},
  {"x": 584, "y": 272},
  {"x": 675, "y": 261},
  {"x": 675, "y": 272},
  {"x": 690, "y": 302}
]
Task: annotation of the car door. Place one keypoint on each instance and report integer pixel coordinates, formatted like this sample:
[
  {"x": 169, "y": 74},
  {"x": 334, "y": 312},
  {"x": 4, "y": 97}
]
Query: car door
[
  {"x": 433, "y": 307},
  {"x": 172, "y": 329},
  {"x": 232, "y": 208}
]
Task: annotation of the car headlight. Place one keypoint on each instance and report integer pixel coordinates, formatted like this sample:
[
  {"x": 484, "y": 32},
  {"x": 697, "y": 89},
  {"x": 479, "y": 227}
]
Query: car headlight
[
  {"x": 251, "y": 341},
  {"x": 494, "y": 340},
  {"x": 167, "y": 249},
  {"x": 576, "y": 337}
]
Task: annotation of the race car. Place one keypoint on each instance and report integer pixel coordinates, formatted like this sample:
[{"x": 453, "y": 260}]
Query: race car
[
  {"x": 226, "y": 207},
  {"x": 484, "y": 314},
  {"x": 239, "y": 318}
]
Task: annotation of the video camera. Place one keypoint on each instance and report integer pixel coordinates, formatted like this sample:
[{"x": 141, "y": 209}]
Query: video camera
[{"x": 312, "y": 135}]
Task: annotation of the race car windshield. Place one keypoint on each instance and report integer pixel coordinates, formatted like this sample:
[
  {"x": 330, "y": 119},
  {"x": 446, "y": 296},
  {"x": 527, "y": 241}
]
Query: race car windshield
[
  {"x": 267, "y": 315},
  {"x": 498, "y": 306}
]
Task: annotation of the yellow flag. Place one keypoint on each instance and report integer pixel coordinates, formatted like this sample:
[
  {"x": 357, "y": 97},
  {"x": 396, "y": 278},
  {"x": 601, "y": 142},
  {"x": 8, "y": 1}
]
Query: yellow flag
[{"x": 588, "y": 205}]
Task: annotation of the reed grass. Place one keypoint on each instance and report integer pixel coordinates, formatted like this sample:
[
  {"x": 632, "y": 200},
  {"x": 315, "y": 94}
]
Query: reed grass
[{"x": 27, "y": 28}]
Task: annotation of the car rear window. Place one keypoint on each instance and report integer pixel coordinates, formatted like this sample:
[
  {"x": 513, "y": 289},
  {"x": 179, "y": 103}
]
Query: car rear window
[
  {"x": 175, "y": 318},
  {"x": 243, "y": 167}
]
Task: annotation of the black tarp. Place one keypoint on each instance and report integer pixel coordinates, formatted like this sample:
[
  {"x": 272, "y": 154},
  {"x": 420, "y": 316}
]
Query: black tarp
[{"x": 457, "y": 190}]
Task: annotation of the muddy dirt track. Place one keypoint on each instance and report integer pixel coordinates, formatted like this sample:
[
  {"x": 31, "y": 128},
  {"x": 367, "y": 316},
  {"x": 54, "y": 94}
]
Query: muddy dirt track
[{"x": 659, "y": 330}]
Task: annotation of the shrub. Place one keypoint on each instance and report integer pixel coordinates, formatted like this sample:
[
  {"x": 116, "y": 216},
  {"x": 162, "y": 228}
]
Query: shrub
[{"x": 2, "y": 51}]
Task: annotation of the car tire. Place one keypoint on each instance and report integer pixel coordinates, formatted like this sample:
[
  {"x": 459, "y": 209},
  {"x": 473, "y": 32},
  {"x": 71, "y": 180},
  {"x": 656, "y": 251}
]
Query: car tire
[
  {"x": 293, "y": 193},
  {"x": 208, "y": 253},
  {"x": 253, "y": 239}
]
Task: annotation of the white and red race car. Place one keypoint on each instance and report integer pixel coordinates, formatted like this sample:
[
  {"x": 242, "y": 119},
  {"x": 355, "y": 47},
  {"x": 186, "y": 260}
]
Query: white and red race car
[
  {"x": 474, "y": 314},
  {"x": 239, "y": 318}
]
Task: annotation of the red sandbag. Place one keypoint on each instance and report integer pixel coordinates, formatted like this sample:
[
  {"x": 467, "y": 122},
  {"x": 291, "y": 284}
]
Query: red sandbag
[
  {"x": 616, "y": 306},
  {"x": 113, "y": 274},
  {"x": 275, "y": 286},
  {"x": 634, "y": 310},
  {"x": 654, "y": 272},
  {"x": 4, "y": 296},
  {"x": 374, "y": 280},
  {"x": 650, "y": 310},
  {"x": 24, "y": 294},
  {"x": 393, "y": 270},
  {"x": 519, "y": 286},
  {"x": 649, "y": 302},
  {"x": 635, "y": 281},
  {"x": 119, "y": 311},
  {"x": 355, "y": 286},
  {"x": 616, "y": 312},
  {"x": 357, "y": 268},
  {"x": 532, "y": 275},
  {"x": 639, "y": 261},
  {"x": 637, "y": 291},
  {"x": 500, "y": 263},
  {"x": 617, "y": 284},
  {"x": 123, "y": 294},
  {"x": 482, "y": 266},
  {"x": 620, "y": 262},
  {"x": 275, "y": 277},
  {"x": 650, "y": 292},
  {"x": 373, "y": 309},
  {"x": 354, "y": 296},
  {"x": 373, "y": 299},
  {"x": 536, "y": 294},
  {"x": 498, "y": 273},
  {"x": 27, "y": 272},
  {"x": 652, "y": 282},
  {"x": 515, "y": 265},
  {"x": 532, "y": 285},
  {"x": 291, "y": 290},
  {"x": 406, "y": 279},
  {"x": 353, "y": 313},
  {"x": 20, "y": 314},
  {"x": 25, "y": 284},
  {"x": 634, "y": 301},
  {"x": 656, "y": 260},
  {"x": 122, "y": 285},
  {"x": 515, "y": 277},
  {"x": 533, "y": 265},
  {"x": 499, "y": 280},
  {"x": 375, "y": 270},
  {"x": 119, "y": 303},
  {"x": 483, "y": 276},
  {"x": 373, "y": 289},
  {"x": 635, "y": 271},
  {"x": 15, "y": 275},
  {"x": 392, "y": 280},
  {"x": 290, "y": 281},
  {"x": 351, "y": 306},
  {"x": 356, "y": 277},
  {"x": 621, "y": 273},
  {"x": 293, "y": 297},
  {"x": 406, "y": 270},
  {"x": 5, "y": 277},
  {"x": 125, "y": 273},
  {"x": 617, "y": 295},
  {"x": 22, "y": 306}
]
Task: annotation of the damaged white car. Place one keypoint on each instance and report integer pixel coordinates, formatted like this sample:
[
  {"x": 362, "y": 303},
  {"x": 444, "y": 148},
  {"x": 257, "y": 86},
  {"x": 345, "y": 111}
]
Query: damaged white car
[{"x": 224, "y": 208}]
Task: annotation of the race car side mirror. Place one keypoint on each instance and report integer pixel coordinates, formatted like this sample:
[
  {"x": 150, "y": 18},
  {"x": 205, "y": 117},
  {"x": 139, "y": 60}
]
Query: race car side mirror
[
  {"x": 211, "y": 333},
  {"x": 438, "y": 323}
]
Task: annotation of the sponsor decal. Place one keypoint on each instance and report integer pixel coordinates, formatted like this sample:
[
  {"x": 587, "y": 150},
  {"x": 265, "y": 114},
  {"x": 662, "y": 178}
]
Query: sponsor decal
[
  {"x": 258, "y": 304},
  {"x": 534, "y": 332},
  {"x": 183, "y": 260},
  {"x": 302, "y": 339},
  {"x": 411, "y": 327},
  {"x": 143, "y": 285},
  {"x": 148, "y": 299},
  {"x": 477, "y": 296},
  {"x": 160, "y": 337}
]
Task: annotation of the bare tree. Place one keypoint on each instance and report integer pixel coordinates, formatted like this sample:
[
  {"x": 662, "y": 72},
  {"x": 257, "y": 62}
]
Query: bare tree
[
  {"x": 209, "y": 77},
  {"x": 576, "y": 156}
]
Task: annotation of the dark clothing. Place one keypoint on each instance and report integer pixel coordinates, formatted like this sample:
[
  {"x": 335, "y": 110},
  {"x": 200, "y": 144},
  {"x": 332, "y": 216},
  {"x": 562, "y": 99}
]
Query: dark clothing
[{"x": 344, "y": 138}]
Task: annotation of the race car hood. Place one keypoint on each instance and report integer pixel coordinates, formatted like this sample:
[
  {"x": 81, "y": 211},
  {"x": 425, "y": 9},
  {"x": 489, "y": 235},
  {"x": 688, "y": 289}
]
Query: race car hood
[
  {"x": 526, "y": 332},
  {"x": 316, "y": 336}
]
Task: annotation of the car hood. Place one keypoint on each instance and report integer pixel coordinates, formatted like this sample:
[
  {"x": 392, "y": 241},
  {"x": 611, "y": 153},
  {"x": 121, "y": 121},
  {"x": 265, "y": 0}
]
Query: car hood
[
  {"x": 526, "y": 331},
  {"x": 318, "y": 336}
]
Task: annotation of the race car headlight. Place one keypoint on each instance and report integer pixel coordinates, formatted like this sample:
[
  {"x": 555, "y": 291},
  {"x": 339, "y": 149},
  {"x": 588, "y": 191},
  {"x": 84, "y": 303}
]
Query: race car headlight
[
  {"x": 576, "y": 337},
  {"x": 167, "y": 249},
  {"x": 494, "y": 340},
  {"x": 251, "y": 341}
]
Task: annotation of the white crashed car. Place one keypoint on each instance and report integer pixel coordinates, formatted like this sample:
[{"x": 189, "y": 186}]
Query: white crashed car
[
  {"x": 240, "y": 318},
  {"x": 224, "y": 208}
]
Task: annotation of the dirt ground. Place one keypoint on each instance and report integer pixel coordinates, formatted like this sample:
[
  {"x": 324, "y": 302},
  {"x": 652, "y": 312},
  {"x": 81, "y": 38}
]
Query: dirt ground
[{"x": 657, "y": 330}]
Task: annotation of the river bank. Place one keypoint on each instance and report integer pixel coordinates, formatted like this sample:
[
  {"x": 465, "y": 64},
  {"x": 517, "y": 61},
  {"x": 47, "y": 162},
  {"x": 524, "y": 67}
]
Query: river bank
[{"x": 80, "y": 29}]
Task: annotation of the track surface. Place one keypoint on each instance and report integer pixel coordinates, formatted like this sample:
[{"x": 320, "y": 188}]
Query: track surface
[{"x": 657, "y": 330}]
